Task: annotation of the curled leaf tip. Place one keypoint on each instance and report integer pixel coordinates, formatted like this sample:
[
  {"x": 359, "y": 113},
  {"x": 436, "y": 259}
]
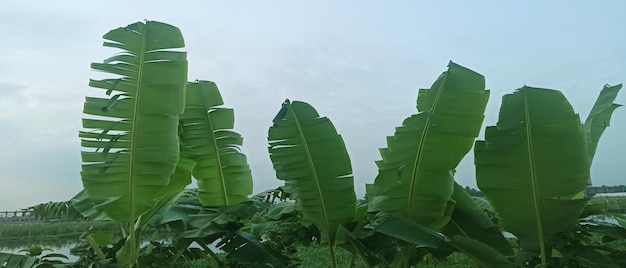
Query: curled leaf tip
[{"x": 283, "y": 111}]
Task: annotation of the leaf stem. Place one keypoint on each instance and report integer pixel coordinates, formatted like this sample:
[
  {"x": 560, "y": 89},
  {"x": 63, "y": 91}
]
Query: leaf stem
[
  {"x": 407, "y": 255},
  {"x": 332, "y": 255},
  {"x": 352, "y": 258},
  {"x": 212, "y": 254},
  {"x": 533, "y": 180}
]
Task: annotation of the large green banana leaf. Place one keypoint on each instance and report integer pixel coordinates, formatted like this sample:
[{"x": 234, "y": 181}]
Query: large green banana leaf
[
  {"x": 415, "y": 178},
  {"x": 533, "y": 165},
  {"x": 310, "y": 156},
  {"x": 221, "y": 170},
  {"x": 417, "y": 234},
  {"x": 131, "y": 144},
  {"x": 11, "y": 260},
  {"x": 599, "y": 117},
  {"x": 56, "y": 210},
  {"x": 469, "y": 220}
]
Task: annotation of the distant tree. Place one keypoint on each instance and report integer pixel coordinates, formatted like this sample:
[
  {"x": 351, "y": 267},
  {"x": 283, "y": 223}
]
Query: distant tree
[
  {"x": 473, "y": 192},
  {"x": 593, "y": 190}
]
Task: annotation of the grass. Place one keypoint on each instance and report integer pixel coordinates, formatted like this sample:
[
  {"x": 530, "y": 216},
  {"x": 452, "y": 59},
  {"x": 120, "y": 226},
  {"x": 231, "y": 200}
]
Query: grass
[
  {"x": 317, "y": 256},
  {"x": 615, "y": 204},
  {"x": 192, "y": 264},
  {"x": 51, "y": 230}
]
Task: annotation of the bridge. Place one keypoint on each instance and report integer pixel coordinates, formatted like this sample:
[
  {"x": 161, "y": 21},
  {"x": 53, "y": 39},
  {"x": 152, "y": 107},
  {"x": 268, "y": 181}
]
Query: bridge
[{"x": 17, "y": 216}]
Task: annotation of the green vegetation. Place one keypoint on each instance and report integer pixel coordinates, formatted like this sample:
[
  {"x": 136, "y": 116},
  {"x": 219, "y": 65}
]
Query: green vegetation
[
  {"x": 612, "y": 204},
  {"x": 310, "y": 156},
  {"x": 593, "y": 190},
  {"x": 51, "y": 230},
  {"x": 551, "y": 167},
  {"x": 151, "y": 130}
]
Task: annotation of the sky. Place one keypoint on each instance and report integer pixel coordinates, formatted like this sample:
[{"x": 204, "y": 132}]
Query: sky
[{"x": 360, "y": 63}]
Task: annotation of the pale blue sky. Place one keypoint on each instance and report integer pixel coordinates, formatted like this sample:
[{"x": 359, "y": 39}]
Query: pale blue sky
[{"x": 358, "y": 62}]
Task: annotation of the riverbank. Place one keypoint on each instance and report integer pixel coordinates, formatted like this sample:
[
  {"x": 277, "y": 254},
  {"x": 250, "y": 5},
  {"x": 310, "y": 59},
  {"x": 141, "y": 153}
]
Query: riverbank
[{"x": 52, "y": 230}]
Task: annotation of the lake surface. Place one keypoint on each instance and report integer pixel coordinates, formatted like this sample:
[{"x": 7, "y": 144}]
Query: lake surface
[{"x": 61, "y": 246}]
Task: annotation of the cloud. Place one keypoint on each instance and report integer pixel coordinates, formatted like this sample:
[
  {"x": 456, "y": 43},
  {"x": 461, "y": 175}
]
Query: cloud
[
  {"x": 38, "y": 173},
  {"x": 360, "y": 64}
]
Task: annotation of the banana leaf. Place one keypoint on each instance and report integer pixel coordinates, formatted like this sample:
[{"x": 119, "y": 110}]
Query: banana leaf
[
  {"x": 310, "y": 156},
  {"x": 599, "y": 117},
  {"x": 16, "y": 260},
  {"x": 470, "y": 221},
  {"x": 415, "y": 176},
  {"x": 483, "y": 254},
  {"x": 130, "y": 142},
  {"x": 207, "y": 138},
  {"x": 533, "y": 167},
  {"x": 250, "y": 252},
  {"x": 134, "y": 138},
  {"x": 220, "y": 227},
  {"x": 421, "y": 236}
]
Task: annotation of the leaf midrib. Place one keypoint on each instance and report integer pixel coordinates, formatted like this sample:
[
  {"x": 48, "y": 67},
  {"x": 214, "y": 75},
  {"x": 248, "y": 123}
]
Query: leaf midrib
[
  {"x": 533, "y": 177},
  {"x": 313, "y": 170},
  {"x": 418, "y": 156},
  {"x": 133, "y": 132},
  {"x": 218, "y": 156}
]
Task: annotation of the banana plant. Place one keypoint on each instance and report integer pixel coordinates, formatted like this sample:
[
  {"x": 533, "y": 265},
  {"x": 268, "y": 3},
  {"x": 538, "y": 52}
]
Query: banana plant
[
  {"x": 415, "y": 179},
  {"x": 534, "y": 165},
  {"x": 470, "y": 222},
  {"x": 406, "y": 230},
  {"x": 130, "y": 140},
  {"x": 415, "y": 176},
  {"x": 207, "y": 138},
  {"x": 310, "y": 156},
  {"x": 599, "y": 117},
  {"x": 17, "y": 260},
  {"x": 56, "y": 210}
]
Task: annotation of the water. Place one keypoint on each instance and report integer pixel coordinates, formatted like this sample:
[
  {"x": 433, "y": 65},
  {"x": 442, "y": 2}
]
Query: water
[{"x": 61, "y": 246}]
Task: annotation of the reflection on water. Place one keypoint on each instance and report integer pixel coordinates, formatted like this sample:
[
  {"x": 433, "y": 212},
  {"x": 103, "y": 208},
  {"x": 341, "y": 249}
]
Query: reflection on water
[
  {"x": 6, "y": 246},
  {"x": 61, "y": 246}
]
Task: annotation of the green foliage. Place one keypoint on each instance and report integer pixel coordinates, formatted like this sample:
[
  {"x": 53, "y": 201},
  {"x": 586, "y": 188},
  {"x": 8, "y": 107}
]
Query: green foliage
[
  {"x": 540, "y": 137},
  {"x": 51, "y": 230},
  {"x": 611, "y": 204},
  {"x": 35, "y": 257},
  {"x": 469, "y": 220},
  {"x": 315, "y": 256},
  {"x": 45, "y": 260},
  {"x": 283, "y": 227},
  {"x": 207, "y": 138},
  {"x": 309, "y": 155},
  {"x": 161, "y": 254},
  {"x": 597, "y": 240},
  {"x": 415, "y": 176},
  {"x": 436, "y": 243},
  {"x": 8, "y": 260},
  {"x": 218, "y": 229},
  {"x": 599, "y": 117},
  {"x": 136, "y": 147},
  {"x": 57, "y": 211},
  {"x": 592, "y": 244}
]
